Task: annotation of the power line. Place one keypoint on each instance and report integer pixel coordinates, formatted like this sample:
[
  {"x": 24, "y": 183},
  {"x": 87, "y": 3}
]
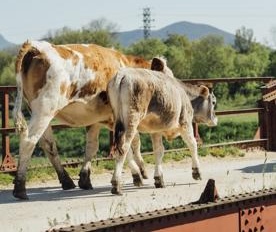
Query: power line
[{"x": 147, "y": 22}]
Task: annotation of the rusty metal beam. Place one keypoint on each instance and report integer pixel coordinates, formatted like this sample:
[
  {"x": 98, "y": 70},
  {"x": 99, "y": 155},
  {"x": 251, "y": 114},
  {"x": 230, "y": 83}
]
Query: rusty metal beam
[
  {"x": 8, "y": 164},
  {"x": 270, "y": 96},
  {"x": 7, "y": 89},
  {"x": 240, "y": 111},
  {"x": 227, "y": 80},
  {"x": 244, "y": 212}
]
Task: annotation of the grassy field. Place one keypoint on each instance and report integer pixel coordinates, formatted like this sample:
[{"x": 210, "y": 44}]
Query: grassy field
[{"x": 239, "y": 118}]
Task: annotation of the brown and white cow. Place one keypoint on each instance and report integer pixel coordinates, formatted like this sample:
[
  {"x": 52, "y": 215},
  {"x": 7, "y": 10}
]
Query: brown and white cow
[
  {"x": 67, "y": 82},
  {"x": 156, "y": 103}
]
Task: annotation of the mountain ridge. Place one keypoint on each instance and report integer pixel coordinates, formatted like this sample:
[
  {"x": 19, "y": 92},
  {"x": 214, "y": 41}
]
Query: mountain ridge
[
  {"x": 5, "y": 43},
  {"x": 191, "y": 30}
]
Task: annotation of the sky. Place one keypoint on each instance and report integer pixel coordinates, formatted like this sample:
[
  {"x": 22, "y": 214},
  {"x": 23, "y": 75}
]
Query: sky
[{"x": 32, "y": 19}]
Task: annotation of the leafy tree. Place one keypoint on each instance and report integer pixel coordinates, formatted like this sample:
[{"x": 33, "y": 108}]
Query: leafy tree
[
  {"x": 7, "y": 72},
  {"x": 98, "y": 31},
  {"x": 5, "y": 59},
  {"x": 148, "y": 48},
  {"x": 271, "y": 69},
  {"x": 273, "y": 36},
  {"x": 243, "y": 40},
  {"x": 211, "y": 58},
  {"x": 7, "y": 76},
  {"x": 101, "y": 24},
  {"x": 254, "y": 63},
  {"x": 179, "y": 55}
]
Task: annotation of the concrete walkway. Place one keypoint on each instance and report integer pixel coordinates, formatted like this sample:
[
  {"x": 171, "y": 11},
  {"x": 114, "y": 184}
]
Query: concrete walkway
[{"x": 51, "y": 207}]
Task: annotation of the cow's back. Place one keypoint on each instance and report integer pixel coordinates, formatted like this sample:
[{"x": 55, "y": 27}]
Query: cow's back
[
  {"x": 159, "y": 100},
  {"x": 73, "y": 76}
]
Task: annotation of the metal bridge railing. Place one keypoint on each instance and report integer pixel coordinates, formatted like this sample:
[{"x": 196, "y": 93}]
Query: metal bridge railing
[{"x": 266, "y": 112}]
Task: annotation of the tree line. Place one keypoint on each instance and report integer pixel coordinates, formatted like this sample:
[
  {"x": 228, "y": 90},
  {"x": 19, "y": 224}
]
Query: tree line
[{"x": 208, "y": 57}]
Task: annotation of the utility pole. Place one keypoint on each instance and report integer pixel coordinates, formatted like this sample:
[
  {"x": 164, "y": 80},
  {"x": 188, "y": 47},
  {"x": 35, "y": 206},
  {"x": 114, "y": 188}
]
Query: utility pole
[{"x": 147, "y": 22}]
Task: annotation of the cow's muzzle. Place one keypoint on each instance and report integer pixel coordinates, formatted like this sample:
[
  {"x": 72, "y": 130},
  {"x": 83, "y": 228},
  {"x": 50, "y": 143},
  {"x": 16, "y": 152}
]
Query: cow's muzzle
[{"x": 213, "y": 121}]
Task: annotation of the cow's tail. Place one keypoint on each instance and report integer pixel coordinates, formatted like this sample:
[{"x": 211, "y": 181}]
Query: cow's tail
[
  {"x": 21, "y": 67},
  {"x": 116, "y": 96},
  {"x": 118, "y": 136}
]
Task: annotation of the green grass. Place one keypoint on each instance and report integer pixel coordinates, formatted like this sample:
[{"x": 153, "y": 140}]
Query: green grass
[{"x": 239, "y": 118}]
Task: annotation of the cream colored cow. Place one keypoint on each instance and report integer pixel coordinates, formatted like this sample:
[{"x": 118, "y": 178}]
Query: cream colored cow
[
  {"x": 157, "y": 103},
  {"x": 66, "y": 82}
]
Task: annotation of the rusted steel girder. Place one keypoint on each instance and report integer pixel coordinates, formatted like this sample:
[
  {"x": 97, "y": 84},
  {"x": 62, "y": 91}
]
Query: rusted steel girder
[
  {"x": 254, "y": 211},
  {"x": 8, "y": 163},
  {"x": 267, "y": 118}
]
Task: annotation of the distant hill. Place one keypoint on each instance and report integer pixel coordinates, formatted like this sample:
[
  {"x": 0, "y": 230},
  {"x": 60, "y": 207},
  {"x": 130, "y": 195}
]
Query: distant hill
[
  {"x": 191, "y": 30},
  {"x": 5, "y": 43}
]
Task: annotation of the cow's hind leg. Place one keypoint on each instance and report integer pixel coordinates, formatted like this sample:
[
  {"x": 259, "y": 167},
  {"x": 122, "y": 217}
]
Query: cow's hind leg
[
  {"x": 188, "y": 137},
  {"x": 158, "y": 150},
  {"x": 120, "y": 156},
  {"x": 28, "y": 139},
  {"x": 136, "y": 145},
  {"x": 92, "y": 146},
  {"x": 135, "y": 170},
  {"x": 48, "y": 144}
]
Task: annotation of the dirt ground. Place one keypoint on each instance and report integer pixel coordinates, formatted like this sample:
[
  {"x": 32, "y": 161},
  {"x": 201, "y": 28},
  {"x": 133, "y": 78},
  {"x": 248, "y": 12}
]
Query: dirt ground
[{"x": 50, "y": 207}]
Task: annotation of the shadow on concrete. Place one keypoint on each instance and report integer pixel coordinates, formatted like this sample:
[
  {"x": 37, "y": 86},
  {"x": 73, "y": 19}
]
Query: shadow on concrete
[
  {"x": 260, "y": 168},
  {"x": 57, "y": 194}
]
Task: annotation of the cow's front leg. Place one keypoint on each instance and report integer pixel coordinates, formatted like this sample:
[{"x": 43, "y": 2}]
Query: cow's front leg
[
  {"x": 188, "y": 137},
  {"x": 48, "y": 144},
  {"x": 92, "y": 146},
  {"x": 158, "y": 150}
]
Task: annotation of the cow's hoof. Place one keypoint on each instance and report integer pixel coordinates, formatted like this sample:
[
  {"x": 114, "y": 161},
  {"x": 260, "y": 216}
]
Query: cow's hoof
[
  {"x": 116, "y": 188},
  {"x": 196, "y": 174},
  {"x": 84, "y": 181},
  {"x": 19, "y": 190},
  {"x": 137, "y": 180},
  {"x": 144, "y": 173},
  {"x": 20, "y": 195},
  {"x": 159, "y": 182},
  {"x": 116, "y": 191},
  {"x": 66, "y": 182}
]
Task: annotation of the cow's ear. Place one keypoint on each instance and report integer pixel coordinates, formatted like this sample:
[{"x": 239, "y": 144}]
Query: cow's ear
[
  {"x": 157, "y": 65},
  {"x": 104, "y": 97},
  {"x": 204, "y": 91}
]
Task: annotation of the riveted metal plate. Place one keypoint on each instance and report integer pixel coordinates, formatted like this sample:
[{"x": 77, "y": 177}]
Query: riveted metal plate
[
  {"x": 246, "y": 212},
  {"x": 252, "y": 219}
]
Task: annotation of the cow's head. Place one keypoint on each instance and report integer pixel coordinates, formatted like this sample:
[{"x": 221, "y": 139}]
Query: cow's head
[
  {"x": 204, "y": 107},
  {"x": 160, "y": 64}
]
